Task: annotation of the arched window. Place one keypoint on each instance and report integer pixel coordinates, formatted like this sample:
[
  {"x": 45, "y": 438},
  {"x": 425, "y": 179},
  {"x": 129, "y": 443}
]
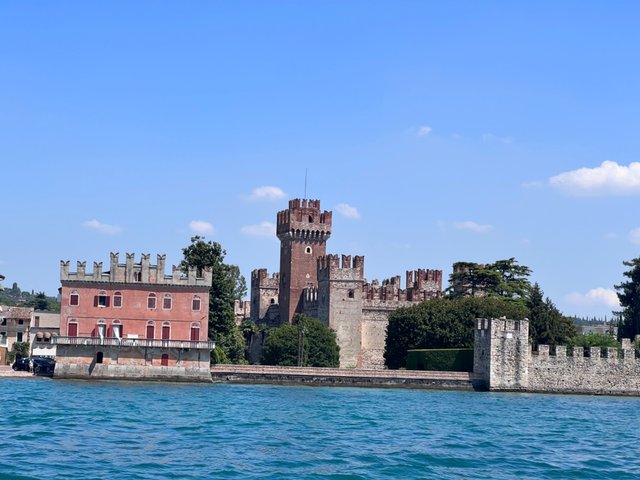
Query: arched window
[
  {"x": 273, "y": 300},
  {"x": 164, "y": 360},
  {"x": 74, "y": 298},
  {"x": 195, "y": 331},
  {"x": 308, "y": 250},
  {"x": 166, "y": 330},
  {"x": 151, "y": 301},
  {"x": 101, "y": 300},
  {"x": 151, "y": 329},
  {"x": 72, "y": 328},
  {"x": 101, "y": 328},
  {"x": 166, "y": 301},
  {"x": 117, "y": 329},
  {"x": 99, "y": 357},
  {"x": 117, "y": 299},
  {"x": 310, "y": 219},
  {"x": 137, "y": 276},
  {"x": 195, "y": 303}
]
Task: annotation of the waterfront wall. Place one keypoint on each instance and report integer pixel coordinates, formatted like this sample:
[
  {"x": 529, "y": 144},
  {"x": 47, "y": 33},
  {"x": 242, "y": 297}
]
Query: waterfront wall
[
  {"x": 503, "y": 360},
  {"x": 344, "y": 377},
  {"x": 131, "y": 372}
]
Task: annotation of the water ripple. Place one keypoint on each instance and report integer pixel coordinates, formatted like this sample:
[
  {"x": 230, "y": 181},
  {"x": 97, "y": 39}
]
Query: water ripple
[{"x": 84, "y": 430}]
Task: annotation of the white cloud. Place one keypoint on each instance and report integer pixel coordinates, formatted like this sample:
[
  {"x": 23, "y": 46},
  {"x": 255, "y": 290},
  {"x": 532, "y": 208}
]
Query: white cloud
[
  {"x": 490, "y": 137},
  {"x": 266, "y": 193},
  {"x": 200, "y": 226},
  {"x": 594, "y": 297},
  {"x": 100, "y": 227},
  {"x": 634, "y": 236},
  {"x": 263, "y": 229},
  {"x": 607, "y": 179},
  {"x": 348, "y": 211},
  {"x": 424, "y": 130},
  {"x": 473, "y": 226}
]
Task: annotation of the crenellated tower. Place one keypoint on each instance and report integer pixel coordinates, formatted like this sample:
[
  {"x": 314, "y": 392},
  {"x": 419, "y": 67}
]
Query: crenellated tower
[{"x": 303, "y": 230}]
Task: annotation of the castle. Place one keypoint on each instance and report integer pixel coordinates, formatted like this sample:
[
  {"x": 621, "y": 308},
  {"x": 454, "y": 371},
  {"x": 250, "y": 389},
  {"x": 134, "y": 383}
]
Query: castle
[{"x": 333, "y": 288}]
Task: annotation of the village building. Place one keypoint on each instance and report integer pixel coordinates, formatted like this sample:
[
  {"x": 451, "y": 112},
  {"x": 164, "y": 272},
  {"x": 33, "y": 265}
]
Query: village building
[
  {"x": 14, "y": 327},
  {"x": 133, "y": 322},
  {"x": 44, "y": 326},
  {"x": 333, "y": 288}
]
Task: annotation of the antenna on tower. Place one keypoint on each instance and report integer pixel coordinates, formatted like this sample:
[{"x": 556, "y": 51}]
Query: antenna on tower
[{"x": 305, "y": 183}]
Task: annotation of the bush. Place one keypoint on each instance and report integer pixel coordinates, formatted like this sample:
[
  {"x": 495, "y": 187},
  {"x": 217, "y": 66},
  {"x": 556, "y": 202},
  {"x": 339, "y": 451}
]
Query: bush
[{"x": 441, "y": 360}]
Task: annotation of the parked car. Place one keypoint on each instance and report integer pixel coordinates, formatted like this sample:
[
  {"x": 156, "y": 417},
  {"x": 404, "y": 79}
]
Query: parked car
[
  {"x": 43, "y": 366},
  {"x": 21, "y": 364}
]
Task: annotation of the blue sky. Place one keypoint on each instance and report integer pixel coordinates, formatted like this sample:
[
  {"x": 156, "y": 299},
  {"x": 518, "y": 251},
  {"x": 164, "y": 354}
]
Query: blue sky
[{"x": 443, "y": 131}]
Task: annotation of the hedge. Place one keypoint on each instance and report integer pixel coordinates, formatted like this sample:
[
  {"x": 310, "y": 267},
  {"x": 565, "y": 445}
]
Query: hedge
[{"x": 441, "y": 360}]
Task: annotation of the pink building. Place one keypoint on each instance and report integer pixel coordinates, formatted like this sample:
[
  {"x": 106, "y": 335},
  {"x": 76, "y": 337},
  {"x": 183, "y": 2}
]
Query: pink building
[{"x": 133, "y": 322}]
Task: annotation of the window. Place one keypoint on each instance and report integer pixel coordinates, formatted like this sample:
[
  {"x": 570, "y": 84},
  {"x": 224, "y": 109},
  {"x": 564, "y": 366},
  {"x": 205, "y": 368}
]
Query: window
[
  {"x": 101, "y": 300},
  {"x": 308, "y": 250},
  {"x": 195, "y": 331},
  {"x": 137, "y": 276},
  {"x": 166, "y": 331},
  {"x": 166, "y": 301},
  {"x": 20, "y": 322},
  {"x": 117, "y": 299},
  {"x": 74, "y": 298},
  {"x": 102, "y": 328},
  {"x": 310, "y": 219},
  {"x": 72, "y": 329},
  {"x": 19, "y": 337},
  {"x": 117, "y": 329},
  {"x": 99, "y": 357},
  {"x": 273, "y": 301},
  {"x": 351, "y": 294},
  {"x": 195, "y": 303},
  {"x": 151, "y": 329},
  {"x": 151, "y": 301}
]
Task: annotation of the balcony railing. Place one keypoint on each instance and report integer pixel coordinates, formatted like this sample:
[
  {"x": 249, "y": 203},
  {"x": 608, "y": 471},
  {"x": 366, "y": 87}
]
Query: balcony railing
[{"x": 132, "y": 342}]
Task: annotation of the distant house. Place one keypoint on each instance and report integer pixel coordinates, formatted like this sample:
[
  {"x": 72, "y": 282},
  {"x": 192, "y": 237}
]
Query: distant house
[
  {"x": 602, "y": 328},
  {"x": 44, "y": 327},
  {"x": 14, "y": 327},
  {"x": 134, "y": 322}
]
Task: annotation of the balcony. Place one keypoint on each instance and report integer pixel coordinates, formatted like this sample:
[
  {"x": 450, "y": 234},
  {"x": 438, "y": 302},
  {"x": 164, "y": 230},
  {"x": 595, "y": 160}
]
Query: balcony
[{"x": 133, "y": 342}]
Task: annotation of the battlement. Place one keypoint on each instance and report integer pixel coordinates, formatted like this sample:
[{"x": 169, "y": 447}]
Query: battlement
[
  {"x": 304, "y": 220},
  {"x": 593, "y": 354},
  {"x": 132, "y": 272},
  {"x": 422, "y": 284},
  {"x": 330, "y": 266},
  {"x": 260, "y": 278}
]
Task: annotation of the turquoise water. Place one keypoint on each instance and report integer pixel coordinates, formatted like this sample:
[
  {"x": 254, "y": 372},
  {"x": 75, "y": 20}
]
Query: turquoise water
[{"x": 83, "y": 430}]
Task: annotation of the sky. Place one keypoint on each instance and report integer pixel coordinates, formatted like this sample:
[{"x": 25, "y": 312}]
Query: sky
[{"x": 435, "y": 131}]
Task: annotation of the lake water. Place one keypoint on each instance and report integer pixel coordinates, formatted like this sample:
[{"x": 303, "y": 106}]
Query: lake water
[{"x": 85, "y": 430}]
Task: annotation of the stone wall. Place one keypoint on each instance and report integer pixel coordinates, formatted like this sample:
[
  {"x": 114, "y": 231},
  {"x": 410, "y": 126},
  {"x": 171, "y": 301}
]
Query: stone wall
[{"x": 503, "y": 360}]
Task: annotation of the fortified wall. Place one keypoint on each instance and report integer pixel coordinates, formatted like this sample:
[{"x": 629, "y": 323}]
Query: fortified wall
[{"x": 504, "y": 361}]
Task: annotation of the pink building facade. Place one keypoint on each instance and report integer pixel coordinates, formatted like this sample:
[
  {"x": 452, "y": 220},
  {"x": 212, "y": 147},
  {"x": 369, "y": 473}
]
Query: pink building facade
[{"x": 134, "y": 321}]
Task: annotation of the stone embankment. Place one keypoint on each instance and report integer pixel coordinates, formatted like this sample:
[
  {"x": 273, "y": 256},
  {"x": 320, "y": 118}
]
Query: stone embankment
[
  {"x": 254, "y": 374},
  {"x": 7, "y": 372}
]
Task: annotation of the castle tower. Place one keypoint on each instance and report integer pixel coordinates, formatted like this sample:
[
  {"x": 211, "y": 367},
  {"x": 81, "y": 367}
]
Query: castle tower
[
  {"x": 340, "y": 303},
  {"x": 303, "y": 230}
]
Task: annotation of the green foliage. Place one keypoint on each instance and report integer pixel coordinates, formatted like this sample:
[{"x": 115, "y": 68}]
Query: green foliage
[
  {"x": 225, "y": 285},
  {"x": 19, "y": 350},
  {"x": 589, "y": 340},
  {"x": 629, "y": 296},
  {"x": 442, "y": 323},
  {"x": 15, "y": 297},
  {"x": 281, "y": 346},
  {"x": 504, "y": 278},
  {"x": 547, "y": 326},
  {"x": 441, "y": 360},
  {"x": 218, "y": 356}
]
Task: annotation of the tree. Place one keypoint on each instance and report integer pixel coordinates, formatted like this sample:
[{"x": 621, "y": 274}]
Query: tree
[
  {"x": 318, "y": 342},
  {"x": 503, "y": 278},
  {"x": 19, "y": 350},
  {"x": 547, "y": 326},
  {"x": 442, "y": 323},
  {"x": 589, "y": 340},
  {"x": 226, "y": 282},
  {"x": 629, "y": 296}
]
